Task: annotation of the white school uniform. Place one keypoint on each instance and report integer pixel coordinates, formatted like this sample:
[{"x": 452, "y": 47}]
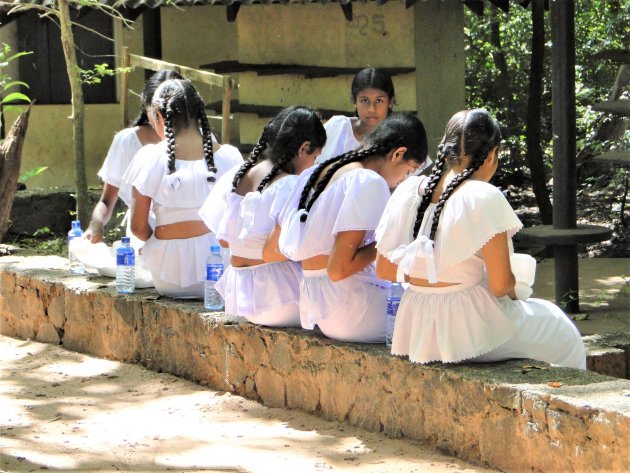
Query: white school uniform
[
  {"x": 466, "y": 321},
  {"x": 352, "y": 309},
  {"x": 178, "y": 265},
  {"x": 266, "y": 294},
  {"x": 339, "y": 138}
]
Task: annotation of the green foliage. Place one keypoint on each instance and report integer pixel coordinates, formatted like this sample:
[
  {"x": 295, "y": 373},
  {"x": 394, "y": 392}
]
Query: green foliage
[
  {"x": 598, "y": 26},
  {"x": 95, "y": 75},
  {"x": 8, "y": 96},
  {"x": 44, "y": 231},
  {"x": 32, "y": 173}
]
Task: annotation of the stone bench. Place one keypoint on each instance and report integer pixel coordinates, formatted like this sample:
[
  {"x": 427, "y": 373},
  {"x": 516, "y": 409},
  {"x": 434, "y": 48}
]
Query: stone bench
[{"x": 519, "y": 415}]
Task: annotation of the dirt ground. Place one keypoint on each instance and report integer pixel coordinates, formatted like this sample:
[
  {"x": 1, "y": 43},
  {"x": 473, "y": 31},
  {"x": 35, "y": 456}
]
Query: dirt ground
[{"x": 66, "y": 411}]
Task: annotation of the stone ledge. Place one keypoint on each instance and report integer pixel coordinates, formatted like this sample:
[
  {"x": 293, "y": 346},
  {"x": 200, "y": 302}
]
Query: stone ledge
[{"x": 505, "y": 415}]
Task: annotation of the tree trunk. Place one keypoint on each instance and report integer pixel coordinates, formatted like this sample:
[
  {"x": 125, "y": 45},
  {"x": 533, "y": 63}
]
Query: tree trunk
[
  {"x": 10, "y": 159},
  {"x": 78, "y": 110},
  {"x": 534, "y": 106}
]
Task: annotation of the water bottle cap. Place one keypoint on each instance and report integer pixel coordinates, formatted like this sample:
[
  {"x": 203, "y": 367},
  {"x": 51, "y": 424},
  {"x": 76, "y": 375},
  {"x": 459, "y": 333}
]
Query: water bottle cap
[
  {"x": 215, "y": 249},
  {"x": 124, "y": 240},
  {"x": 76, "y": 224}
]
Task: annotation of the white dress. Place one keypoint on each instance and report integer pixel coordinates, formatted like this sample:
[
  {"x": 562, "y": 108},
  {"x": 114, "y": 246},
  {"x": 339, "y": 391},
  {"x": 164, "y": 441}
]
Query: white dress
[
  {"x": 178, "y": 265},
  {"x": 466, "y": 321},
  {"x": 339, "y": 138},
  {"x": 266, "y": 294},
  {"x": 352, "y": 309}
]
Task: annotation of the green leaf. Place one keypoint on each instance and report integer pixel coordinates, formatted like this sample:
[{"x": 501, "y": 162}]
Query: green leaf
[{"x": 15, "y": 96}]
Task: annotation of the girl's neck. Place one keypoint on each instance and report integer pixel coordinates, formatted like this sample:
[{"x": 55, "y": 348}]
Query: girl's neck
[
  {"x": 188, "y": 144},
  {"x": 359, "y": 129}
]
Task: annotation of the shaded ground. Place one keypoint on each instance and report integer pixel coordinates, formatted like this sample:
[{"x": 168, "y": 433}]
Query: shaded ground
[{"x": 67, "y": 411}]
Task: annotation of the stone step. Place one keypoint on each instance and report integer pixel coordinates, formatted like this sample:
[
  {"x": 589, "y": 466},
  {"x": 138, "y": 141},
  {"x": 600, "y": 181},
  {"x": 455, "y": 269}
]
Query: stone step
[{"x": 519, "y": 415}]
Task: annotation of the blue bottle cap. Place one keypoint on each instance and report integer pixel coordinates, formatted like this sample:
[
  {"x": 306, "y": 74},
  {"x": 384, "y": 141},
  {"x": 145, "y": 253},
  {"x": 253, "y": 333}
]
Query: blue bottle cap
[
  {"x": 215, "y": 249},
  {"x": 125, "y": 240}
]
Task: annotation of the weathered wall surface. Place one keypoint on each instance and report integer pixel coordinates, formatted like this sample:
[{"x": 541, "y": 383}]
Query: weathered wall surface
[{"x": 502, "y": 414}]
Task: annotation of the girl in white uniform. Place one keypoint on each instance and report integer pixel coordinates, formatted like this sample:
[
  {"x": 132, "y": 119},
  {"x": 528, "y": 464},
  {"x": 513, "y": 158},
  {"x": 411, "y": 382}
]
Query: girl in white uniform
[
  {"x": 243, "y": 208},
  {"x": 450, "y": 236},
  {"x": 125, "y": 145},
  {"x": 372, "y": 94},
  {"x": 328, "y": 224},
  {"x": 176, "y": 176}
]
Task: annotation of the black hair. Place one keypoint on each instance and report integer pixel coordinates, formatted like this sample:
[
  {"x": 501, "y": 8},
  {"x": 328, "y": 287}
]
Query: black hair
[
  {"x": 398, "y": 129},
  {"x": 181, "y": 105},
  {"x": 266, "y": 139},
  {"x": 471, "y": 133},
  {"x": 372, "y": 78},
  {"x": 300, "y": 125},
  {"x": 151, "y": 84}
]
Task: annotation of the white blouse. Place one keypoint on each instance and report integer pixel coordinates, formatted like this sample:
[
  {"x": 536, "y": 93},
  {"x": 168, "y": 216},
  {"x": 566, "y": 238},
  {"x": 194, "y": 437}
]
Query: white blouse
[
  {"x": 182, "y": 191},
  {"x": 339, "y": 138},
  {"x": 122, "y": 150},
  {"x": 245, "y": 222},
  {"x": 354, "y": 201},
  {"x": 475, "y": 212}
]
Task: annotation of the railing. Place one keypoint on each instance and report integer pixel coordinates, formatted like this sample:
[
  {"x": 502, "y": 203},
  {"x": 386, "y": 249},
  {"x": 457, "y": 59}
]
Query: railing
[{"x": 226, "y": 83}]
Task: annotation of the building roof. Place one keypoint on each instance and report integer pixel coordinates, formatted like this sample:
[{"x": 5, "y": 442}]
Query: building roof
[{"x": 132, "y": 9}]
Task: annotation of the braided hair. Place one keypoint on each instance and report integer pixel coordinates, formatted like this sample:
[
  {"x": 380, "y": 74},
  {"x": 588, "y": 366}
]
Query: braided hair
[
  {"x": 150, "y": 86},
  {"x": 181, "y": 106},
  {"x": 300, "y": 125},
  {"x": 397, "y": 130},
  {"x": 471, "y": 133},
  {"x": 266, "y": 139}
]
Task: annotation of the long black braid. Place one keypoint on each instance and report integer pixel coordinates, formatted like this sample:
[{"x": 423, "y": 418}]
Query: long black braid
[
  {"x": 181, "y": 105},
  {"x": 471, "y": 133},
  {"x": 265, "y": 140},
  {"x": 301, "y": 124},
  {"x": 395, "y": 131}
]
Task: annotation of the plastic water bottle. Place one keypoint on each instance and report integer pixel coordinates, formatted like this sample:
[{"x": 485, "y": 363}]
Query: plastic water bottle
[
  {"x": 125, "y": 267},
  {"x": 393, "y": 300},
  {"x": 76, "y": 267},
  {"x": 212, "y": 300}
]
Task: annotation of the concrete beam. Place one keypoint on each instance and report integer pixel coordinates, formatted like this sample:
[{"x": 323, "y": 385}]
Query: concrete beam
[{"x": 440, "y": 64}]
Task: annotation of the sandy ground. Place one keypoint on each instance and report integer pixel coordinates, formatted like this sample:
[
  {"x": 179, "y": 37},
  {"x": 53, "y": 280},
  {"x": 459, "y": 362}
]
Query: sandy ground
[{"x": 67, "y": 411}]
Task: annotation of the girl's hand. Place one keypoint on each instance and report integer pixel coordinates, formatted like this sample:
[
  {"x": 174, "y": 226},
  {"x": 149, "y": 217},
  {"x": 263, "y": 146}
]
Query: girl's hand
[{"x": 94, "y": 232}]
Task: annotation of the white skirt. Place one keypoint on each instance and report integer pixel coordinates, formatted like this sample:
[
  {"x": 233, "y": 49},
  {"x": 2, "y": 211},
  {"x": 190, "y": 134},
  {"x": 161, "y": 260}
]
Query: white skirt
[
  {"x": 266, "y": 294},
  {"x": 464, "y": 322},
  {"x": 178, "y": 263},
  {"x": 351, "y": 310}
]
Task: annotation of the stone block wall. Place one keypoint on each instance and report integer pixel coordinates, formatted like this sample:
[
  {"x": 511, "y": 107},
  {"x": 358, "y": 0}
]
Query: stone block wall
[{"x": 505, "y": 415}]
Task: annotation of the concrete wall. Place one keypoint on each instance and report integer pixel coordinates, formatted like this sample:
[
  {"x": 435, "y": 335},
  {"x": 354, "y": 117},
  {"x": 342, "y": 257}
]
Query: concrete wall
[
  {"x": 429, "y": 34},
  {"x": 518, "y": 416}
]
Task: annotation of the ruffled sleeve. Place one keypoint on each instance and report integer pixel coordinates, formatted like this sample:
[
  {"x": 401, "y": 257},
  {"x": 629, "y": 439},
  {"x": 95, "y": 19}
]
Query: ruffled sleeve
[
  {"x": 365, "y": 197},
  {"x": 227, "y": 157},
  {"x": 395, "y": 228},
  {"x": 122, "y": 150},
  {"x": 470, "y": 218},
  {"x": 217, "y": 203},
  {"x": 339, "y": 138},
  {"x": 281, "y": 192}
]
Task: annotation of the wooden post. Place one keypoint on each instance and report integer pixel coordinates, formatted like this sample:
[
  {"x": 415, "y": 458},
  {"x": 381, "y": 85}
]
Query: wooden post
[
  {"x": 563, "y": 129},
  {"x": 124, "y": 88},
  {"x": 228, "y": 86}
]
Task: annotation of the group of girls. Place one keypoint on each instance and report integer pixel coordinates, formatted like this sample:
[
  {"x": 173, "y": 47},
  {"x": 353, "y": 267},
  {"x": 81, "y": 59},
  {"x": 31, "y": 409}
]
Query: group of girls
[{"x": 315, "y": 235}]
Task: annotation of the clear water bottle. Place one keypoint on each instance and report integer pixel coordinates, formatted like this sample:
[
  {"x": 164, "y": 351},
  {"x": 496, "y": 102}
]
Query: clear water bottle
[
  {"x": 125, "y": 267},
  {"x": 393, "y": 300},
  {"x": 76, "y": 267},
  {"x": 212, "y": 300}
]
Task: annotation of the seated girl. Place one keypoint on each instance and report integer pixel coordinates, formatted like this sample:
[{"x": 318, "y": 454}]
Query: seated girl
[
  {"x": 175, "y": 176},
  {"x": 328, "y": 224},
  {"x": 450, "y": 235},
  {"x": 243, "y": 208}
]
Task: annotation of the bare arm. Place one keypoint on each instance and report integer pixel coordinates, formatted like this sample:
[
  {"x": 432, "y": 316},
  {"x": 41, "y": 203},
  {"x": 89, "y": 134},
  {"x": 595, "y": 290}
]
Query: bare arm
[
  {"x": 140, "y": 216},
  {"x": 496, "y": 257},
  {"x": 271, "y": 252},
  {"x": 102, "y": 213},
  {"x": 347, "y": 256},
  {"x": 385, "y": 269}
]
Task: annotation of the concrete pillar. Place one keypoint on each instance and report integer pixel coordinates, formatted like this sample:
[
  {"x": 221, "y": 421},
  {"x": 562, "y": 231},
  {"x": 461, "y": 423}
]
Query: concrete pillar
[{"x": 440, "y": 64}]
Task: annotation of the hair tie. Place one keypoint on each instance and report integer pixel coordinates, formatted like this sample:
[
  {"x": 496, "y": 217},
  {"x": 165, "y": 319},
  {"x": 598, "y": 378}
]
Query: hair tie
[
  {"x": 211, "y": 176},
  {"x": 302, "y": 214}
]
